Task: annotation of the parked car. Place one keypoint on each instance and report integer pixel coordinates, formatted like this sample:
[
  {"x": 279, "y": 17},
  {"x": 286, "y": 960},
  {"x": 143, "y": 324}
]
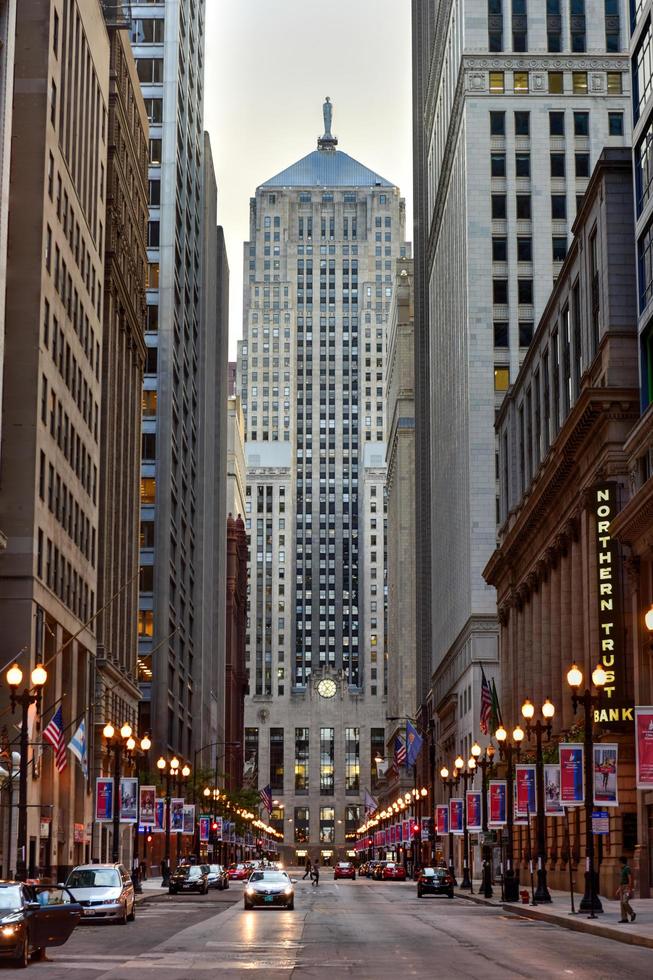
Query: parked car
[
  {"x": 269, "y": 888},
  {"x": 391, "y": 871},
  {"x": 377, "y": 870},
  {"x": 434, "y": 881},
  {"x": 104, "y": 891},
  {"x": 344, "y": 869},
  {"x": 33, "y": 917},
  {"x": 216, "y": 875},
  {"x": 239, "y": 872},
  {"x": 371, "y": 865},
  {"x": 189, "y": 878}
]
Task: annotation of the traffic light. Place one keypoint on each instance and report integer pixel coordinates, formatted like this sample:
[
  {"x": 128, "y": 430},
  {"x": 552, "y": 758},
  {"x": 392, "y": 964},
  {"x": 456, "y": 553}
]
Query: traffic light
[
  {"x": 149, "y": 838},
  {"x": 213, "y": 832},
  {"x": 415, "y": 829}
]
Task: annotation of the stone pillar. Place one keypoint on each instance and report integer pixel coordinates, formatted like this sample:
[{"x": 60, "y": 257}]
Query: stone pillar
[{"x": 535, "y": 679}]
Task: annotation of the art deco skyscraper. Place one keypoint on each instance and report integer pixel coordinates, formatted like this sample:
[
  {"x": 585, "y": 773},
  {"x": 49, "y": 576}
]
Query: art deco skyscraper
[{"x": 319, "y": 273}]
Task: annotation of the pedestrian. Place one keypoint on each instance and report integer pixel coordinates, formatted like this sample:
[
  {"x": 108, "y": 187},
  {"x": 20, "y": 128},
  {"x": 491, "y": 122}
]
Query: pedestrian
[
  {"x": 307, "y": 872},
  {"x": 316, "y": 873},
  {"x": 625, "y": 891}
]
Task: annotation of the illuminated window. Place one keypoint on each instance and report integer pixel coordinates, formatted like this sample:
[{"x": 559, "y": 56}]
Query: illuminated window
[
  {"x": 327, "y": 825},
  {"x": 152, "y": 279},
  {"x": 520, "y": 82},
  {"x": 145, "y": 623},
  {"x": 501, "y": 377},
  {"x": 556, "y": 82},
  {"x": 327, "y": 754},
  {"x": 579, "y": 82},
  {"x": 148, "y": 490},
  {"x": 301, "y": 759},
  {"x": 149, "y": 404},
  {"x": 614, "y": 83},
  {"x": 352, "y": 760},
  {"x": 302, "y": 824},
  {"x": 496, "y": 82}
]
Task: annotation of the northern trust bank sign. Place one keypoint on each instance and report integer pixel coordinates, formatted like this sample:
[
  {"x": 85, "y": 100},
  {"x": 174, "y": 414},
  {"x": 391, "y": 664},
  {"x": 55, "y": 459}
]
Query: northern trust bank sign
[{"x": 615, "y": 706}]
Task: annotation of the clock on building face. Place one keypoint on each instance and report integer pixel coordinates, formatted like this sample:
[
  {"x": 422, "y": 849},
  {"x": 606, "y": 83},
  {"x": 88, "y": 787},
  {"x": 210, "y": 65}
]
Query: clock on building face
[{"x": 326, "y": 688}]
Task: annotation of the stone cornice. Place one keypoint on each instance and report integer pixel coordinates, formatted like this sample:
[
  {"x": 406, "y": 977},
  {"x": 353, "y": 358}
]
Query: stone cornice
[{"x": 636, "y": 519}]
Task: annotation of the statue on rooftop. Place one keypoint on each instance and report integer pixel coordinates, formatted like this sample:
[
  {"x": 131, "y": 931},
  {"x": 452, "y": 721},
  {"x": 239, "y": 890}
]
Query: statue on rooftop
[{"x": 327, "y": 109}]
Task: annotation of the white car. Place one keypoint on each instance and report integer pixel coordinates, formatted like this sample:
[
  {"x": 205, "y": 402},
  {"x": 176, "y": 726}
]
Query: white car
[{"x": 105, "y": 891}]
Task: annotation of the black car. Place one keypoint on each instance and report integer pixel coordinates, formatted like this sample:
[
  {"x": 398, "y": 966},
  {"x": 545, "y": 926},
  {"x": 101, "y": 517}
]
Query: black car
[
  {"x": 269, "y": 888},
  {"x": 33, "y": 918},
  {"x": 189, "y": 878},
  {"x": 217, "y": 876},
  {"x": 434, "y": 881}
]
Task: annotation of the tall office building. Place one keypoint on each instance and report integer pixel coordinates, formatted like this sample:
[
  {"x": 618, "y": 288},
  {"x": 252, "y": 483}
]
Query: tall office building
[
  {"x": 515, "y": 104},
  {"x": 319, "y": 273},
  {"x": 181, "y": 635}
]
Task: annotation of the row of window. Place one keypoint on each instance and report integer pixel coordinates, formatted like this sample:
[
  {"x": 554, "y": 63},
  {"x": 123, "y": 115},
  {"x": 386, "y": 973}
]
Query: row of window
[
  {"x": 556, "y": 83},
  {"x": 63, "y": 579},
  {"x": 522, "y": 123},
  {"x": 68, "y": 439},
  {"x": 557, "y": 164},
  {"x": 575, "y": 10},
  {"x": 70, "y": 371},
  {"x": 523, "y": 210},
  {"x": 67, "y": 510}
]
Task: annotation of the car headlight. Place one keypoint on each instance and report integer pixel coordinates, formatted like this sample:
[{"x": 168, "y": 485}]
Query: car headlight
[
  {"x": 288, "y": 890},
  {"x": 250, "y": 891},
  {"x": 109, "y": 901},
  {"x": 10, "y": 930}
]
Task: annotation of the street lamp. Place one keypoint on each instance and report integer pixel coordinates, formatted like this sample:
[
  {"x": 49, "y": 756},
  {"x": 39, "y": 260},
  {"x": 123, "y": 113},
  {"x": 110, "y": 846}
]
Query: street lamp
[
  {"x": 467, "y": 775},
  {"x": 485, "y": 763},
  {"x": 135, "y": 751},
  {"x": 539, "y": 729},
  {"x": 506, "y": 751},
  {"x": 171, "y": 769},
  {"x": 116, "y": 743},
  {"x": 28, "y": 696},
  {"x": 590, "y": 902},
  {"x": 450, "y": 781}
]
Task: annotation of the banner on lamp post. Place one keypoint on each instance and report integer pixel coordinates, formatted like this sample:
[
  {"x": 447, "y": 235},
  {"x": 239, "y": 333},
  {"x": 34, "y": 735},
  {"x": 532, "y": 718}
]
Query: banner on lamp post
[
  {"x": 605, "y": 774},
  {"x": 572, "y": 782},
  {"x": 147, "y": 806},
  {"x": 473, "y": 803},
  {"x": 552, "y": 803},
  {"x": 205, "y": 825},
  {"x": 526, "y": 795},
  {"x": 103, "y": 798},
  {"x": 176, "y": 816},
  {"x": 644, "y": 747},
  {"x": 497, "y": 797},
  {"x": 456, "y": 816},
  {"x": 442, "y": 819},
  {"x": 189, "y": 818},
  {"x": 128, "y": 799},
  {"x": 159, "y": 816}
]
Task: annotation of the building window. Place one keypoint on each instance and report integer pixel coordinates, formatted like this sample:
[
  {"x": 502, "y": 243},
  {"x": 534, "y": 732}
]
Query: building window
[
  {"x": 556, "y": 123},
  {"x": 500, "y": 292},
  {"x": 498, "y": 207},
  {"x": 558, "y": 207},
  {"x": 644, "y": 167},
  {"x": 524, "y": 248},
  {"x": 579, "y": 82},
  {"x": 615, "y": 83},
  {"x": 150, "y": 70},
  {"x": 352, "y": 760},
  {"x": 522, "y": 123},
  {"x": 495, "y": 25},
  {"x": 276, "y": 759},
  {"x": 643, "y": 70},
  {"x": 596, "y": 290},
  {"x": 498, "y": 164},
  {"x": 497, "y": 124},
  {"x": 557, "y": 164},
  {"x": 501, "y": 377},
  {"x": 525, "y": 292},
  {"x": 523, "y": 207},
  {"x": 496, "y": 83},
  {"x": 522, "y": 164},
  {"x": 302, "y": 825},
  {"x": 556, "y": 82},
  {"x": 519, "y": 25},
  {"x": 582, "y": 164},
  {"x": 377, "y": 751},
  {"x": 301, "y": 759},
  {"x": 353, "y": 820},
  {"x": 327, "y": 761},
  {"x": 520, "y": 82},
  {"x": 554, "y": 26},
  {"x": 327, "y": 825},
  {"x": 501, "y": 336},
  {"x": 155, "y": 152},
  {"x": 616, "y": 123},
  {"x": 148, "y": 490},
  {"x": 577, "y": 25},
  {"x": 559, "y": 248},
  {"x": 499, "y": 248},
  {"x": 581, "y": 124},
  {"x": 612, "y": 26},
  {"x": 525, "y": 333}
]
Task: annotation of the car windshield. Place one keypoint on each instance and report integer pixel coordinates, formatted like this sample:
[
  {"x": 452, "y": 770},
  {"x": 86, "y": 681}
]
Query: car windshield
[
  {"x": 10, "y": 898},
  {"x": 215, "y": 868},
  {"x": 206, "y": 868},
  {"x": 391, "y": 864},
  {"x": 268, "y": 876},
  {"x": 91, "y": 878},
  {"x": 344, "y": 864}
]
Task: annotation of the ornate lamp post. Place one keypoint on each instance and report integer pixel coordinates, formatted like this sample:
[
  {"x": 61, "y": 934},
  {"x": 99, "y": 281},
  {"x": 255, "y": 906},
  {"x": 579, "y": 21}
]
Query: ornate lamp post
[
  {"x": 450, "y": 781},
  {"x": 28, "y": 696},
  {"x": 467, "y": 775},
  {"x": 116, "y": 743},
  {"x": 590, "y": 902},
  {"x": 486, "y": 764},
  {"x": 506, "y": 751},
  {"x": 539, "y": 729},
  {"x": 134, "y": 754},
  {"x": 171, "y": 770}
]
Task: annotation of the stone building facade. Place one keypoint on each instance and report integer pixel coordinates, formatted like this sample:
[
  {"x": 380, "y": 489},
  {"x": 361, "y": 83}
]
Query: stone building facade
[
  {"x": 7, "y": 47},
  {"x": 561, "y": 433},
  {"x": 49, "y": 501}
]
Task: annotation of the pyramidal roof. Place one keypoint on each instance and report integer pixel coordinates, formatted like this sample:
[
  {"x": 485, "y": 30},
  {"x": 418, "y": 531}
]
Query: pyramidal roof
[{"x": 327, "y": 168}]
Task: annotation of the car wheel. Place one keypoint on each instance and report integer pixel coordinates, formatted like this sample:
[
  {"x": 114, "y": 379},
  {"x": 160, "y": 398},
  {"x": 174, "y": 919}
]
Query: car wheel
[
  {"x": 247, "y": 906},
  {"x": 419, "y": 892},
  {"x": 449, "y": 894},
  {"x": 291, "y": 906},
  {"x": 39, "y": 955},
  {"x": 132, "y": 914},
  {"x": 22, "y": 960},
  {"x": 172, "y": 891},
  {"x": 122, "y": 921}
]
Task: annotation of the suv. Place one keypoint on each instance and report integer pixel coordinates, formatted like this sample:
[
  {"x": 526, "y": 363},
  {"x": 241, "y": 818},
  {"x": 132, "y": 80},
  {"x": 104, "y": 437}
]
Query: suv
[
  {"x": 105, "y": 891},
  {"x": 435, "y": 881}
]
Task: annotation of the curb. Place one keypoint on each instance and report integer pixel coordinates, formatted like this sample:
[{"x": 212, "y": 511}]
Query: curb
[
  {"x": 583, "y": 925},
  {"x": 479, "y": 900}
]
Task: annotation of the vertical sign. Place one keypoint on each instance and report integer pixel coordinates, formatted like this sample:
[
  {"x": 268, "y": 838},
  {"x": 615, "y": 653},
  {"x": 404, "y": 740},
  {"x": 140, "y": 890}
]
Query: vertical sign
[
  {"x": 176, "y": 816},
  {"x": 456, "y": 816},
  {"x": 572, "y": 789},
  {"x": 147, "y": 806},
  {"x": 605, "y": 774},
  {"x": 189, "y": 818},
  {"x": 442, "y": 819},
  {"x": 159, "y": 816},
  {"x": 526, "y": 799},
  {"x": 128, "y": 799},
  {"x": 552, "y": 802},
  {"x": 103, "y": 799},
  {"x": 644, "y": 747},
  {"x": 473, "y": 804},
  {"x": 205, "y": 824},
  {"x": 497, "y": 797}
]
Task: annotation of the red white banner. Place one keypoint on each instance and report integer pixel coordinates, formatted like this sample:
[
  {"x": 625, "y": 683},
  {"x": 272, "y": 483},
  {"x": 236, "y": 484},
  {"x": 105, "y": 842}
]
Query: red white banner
[{"x": 644, "y": 747}]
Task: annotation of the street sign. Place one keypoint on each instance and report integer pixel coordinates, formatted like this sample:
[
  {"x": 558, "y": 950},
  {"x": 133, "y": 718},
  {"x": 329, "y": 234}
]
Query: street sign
[{"x": 600, "y": 822}]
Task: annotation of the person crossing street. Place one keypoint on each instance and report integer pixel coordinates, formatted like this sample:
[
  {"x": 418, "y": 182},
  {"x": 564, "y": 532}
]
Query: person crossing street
[{"x": 316, "y": 874}]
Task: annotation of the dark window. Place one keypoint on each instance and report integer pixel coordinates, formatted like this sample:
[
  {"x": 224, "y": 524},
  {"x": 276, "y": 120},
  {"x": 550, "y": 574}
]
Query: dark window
[
  {"x": 559, "y": 248},
  {"x": 499, "y": 206},
  {"x": 523, "y": 206},
  {"x": 499, "y": 249},
  {"x": 524, "y": 249},
  {"x": 582, "y": 164},
  {"x": 498, "y": 164},
  {"x": 276, "y": 759},
  {"x": 581, "y": 124},
  {"x": 525, "y": 292},
  {"x": 577, "y": 25},
  {"x": 497, "y": 124},
  {"x": 525, "y": 332},
  {"x": 499, "y": 292},
  {"x": 556, "y": 123},
  {"x": 558, "y": 207},
  {"x": 522, "y": 124},
  {"x": 501, "y": 333},
  {"x": 557, "y": 164},
  {"x": 644, "y": 167},
  {"x": 523, "y": 164},
  {"x": 616, "y": 123}
]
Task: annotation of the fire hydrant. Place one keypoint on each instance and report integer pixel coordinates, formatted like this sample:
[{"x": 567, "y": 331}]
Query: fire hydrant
[{"x": 524, "y": 896}]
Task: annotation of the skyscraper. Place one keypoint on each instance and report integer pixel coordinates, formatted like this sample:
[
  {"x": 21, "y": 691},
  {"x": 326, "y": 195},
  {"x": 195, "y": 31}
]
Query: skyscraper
[
  {"x": 513, "y": 108},
  {"x": 319, "y": 271},
  {"x": 181, "y": 635}
]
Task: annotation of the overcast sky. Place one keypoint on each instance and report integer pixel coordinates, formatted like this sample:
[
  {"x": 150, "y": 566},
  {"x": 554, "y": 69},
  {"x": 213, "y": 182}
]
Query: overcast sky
[{"x": 269, "y": 65}]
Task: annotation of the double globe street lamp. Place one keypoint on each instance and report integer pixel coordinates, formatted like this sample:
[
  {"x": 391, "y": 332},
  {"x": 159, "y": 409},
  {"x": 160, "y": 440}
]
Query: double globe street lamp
[
  {"x": 173, "y": 771},
  {"x": 508, "y": 749},
  {"x": 485, "y": 762},
  {"x": 450, "y": 781},
  {"x": 27, "y": 697},
  {"x": 539, "y": 729},
  {"x": 119, "y": 743},
  {"x": 466, "y": 773}
]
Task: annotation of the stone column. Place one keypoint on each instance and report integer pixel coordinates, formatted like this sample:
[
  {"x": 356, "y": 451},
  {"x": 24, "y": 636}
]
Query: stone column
[{"x": 534, "y": 688}]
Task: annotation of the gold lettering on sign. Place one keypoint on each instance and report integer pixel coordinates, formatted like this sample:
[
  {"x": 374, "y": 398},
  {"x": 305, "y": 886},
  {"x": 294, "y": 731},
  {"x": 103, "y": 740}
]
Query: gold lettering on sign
[{"x": 607, "y": 587}]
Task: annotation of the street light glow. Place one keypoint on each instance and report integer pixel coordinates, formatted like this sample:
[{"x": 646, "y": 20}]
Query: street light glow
[
  {"x": 528, "y": 709},
  {"x": 39, "y": 676},
  {"x": 648, "y": 619},
  {"x": 459, "y": 762},
  {"x": 501, "y": 734},
  {"x": 574, "y": 676},
  {"x": 444, "y": 772},
  {"x": 518, "y": 734},
  {"x": 108, "y": 731},
  {"x": 14, "y": 676},
  {"x": 476, "y": 750},
  {"x": 599, "y": 676},
  {"x": 548, "y": 709},
  {"x": 126, "y": 730}
]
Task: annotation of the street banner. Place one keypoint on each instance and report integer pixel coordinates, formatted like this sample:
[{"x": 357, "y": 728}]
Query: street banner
[
  {"x": 526, "y": 798},
  {"x": 605, "y": 774},
  {"x": 176, "y": 815},
  {"x": 220, "y": 829},
  {"x": 442, "y": 819},
  {"x": 473, "y": 803},
  {"x": 159, "y": 816},
  {"x": 456, "y": 816},
  {"x": 406, "y": 831},
  {"x": 572, "y": 783},
  {"x": 205, "y": 825},
  {"x": 424, "y": 828},
  {"x": 601, "y": 822},
  {"x": 189, "y": 818},
  {"x": 103, "y": 799},
  {"x": 644, "y": 747},
  {"x": 552, "y": 804},
  {"x": 128, "y": 799},
  {"x": 147, "y": 805},
  {"x": 497, "y": 813},
  {"x": 518, "y": 819}
]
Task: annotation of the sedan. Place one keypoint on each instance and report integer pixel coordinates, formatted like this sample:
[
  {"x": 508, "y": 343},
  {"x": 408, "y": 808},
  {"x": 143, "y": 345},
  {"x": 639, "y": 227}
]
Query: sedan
[
  {"x": 33, "y": 918},
  {"x": 434, "y": 881},
  {"x": 189, "y": 878},
  {"x": 216, "y": 875},
  {"x": 393, "y": 872},
  {"x": 269, "y": 888},
  {"x": 239, "y": 872},
  {"x": 105, "y": 891},
  {"x": 344, "y": 869}
]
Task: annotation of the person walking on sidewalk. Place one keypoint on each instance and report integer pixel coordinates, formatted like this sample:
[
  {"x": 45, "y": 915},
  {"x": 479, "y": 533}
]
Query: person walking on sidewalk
[
  {"x": 625, "y": 891},
  {"x": 307, "y": 872},
  {"x": 316, "y": 873}
]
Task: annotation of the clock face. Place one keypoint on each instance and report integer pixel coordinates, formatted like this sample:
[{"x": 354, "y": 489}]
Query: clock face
[{"x": 326, "y": 688}]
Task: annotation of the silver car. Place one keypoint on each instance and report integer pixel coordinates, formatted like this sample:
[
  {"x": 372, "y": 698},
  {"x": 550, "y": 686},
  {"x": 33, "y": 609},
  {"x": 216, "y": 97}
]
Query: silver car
[
  {"x": 105, "y": 892},
  {"x": 269, "y": 888}
]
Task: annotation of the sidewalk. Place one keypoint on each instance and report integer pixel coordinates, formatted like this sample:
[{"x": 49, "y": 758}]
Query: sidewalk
[
  {"x": 151, "y": 889},
  {"x": 606, "y": 924}
]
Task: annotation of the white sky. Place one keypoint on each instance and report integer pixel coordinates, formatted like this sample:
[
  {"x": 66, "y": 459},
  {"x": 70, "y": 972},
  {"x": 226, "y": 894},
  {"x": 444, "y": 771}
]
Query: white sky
[{"x": 269, "y": 65}]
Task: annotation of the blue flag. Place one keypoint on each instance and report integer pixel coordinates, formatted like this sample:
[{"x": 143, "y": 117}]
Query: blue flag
[{"x": 414, "y": 742}]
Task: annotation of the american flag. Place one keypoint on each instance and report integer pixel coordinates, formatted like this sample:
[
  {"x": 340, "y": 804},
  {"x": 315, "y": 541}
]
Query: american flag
[
  {"x": 486, "y": 705},
  {"x": 54, "y": 735},
  {"x": 266, "y": 798},
  {"x": 400, "y": 752}
]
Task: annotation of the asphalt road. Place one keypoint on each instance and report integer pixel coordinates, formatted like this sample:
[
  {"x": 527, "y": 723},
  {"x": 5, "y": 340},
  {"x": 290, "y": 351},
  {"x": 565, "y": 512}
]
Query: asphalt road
[{"x": 342, "y": 929}]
